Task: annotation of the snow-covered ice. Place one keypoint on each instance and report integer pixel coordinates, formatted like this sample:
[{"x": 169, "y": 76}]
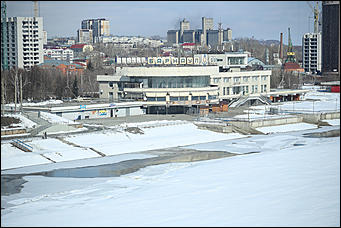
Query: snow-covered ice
[
  {"x": 291, "y": 180},
  {"x": 284, "y": 185},
  {"x": 286, "y": 127}
]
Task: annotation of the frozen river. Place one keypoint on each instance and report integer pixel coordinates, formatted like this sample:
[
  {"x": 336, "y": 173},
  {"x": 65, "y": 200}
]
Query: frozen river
[{"x": 279, "y": 179}]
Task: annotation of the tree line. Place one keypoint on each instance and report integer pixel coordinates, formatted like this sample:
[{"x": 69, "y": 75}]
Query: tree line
[{"x": 37, "y": 84}]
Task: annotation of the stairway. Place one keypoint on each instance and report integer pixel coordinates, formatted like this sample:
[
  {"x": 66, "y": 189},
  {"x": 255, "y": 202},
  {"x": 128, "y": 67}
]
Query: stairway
[{"x": 42, "y": 124}]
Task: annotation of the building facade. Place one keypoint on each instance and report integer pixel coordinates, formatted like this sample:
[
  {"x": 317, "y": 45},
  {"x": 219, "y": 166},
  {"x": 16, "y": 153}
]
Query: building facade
[
  {"x": 173, "y": 36},
  {"x": 188, "y": 36},
  {"x": 24, "y": 41},
  {"x": 311, "y": 52},
  {"x": 206, "y": 24},
  {"x": 59, "y": 54},
  {"x": 233, "y": 84},
  {"x": 227, "y": 34},
  {"x": 331, "y": 37},
  {"x": 182, "y": 85},
  {"x": 184, "y": 25},
  {"x": 204, "y": 36},
  {"x": 100, "y": 27},
  {"x": 84, "y": 36}
]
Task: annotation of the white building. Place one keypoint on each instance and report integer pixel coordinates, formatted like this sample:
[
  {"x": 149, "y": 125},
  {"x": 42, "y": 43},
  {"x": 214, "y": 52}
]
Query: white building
[
  {"x": 25, "y": 41},
  {"x": 84, "y": 36},
  {"x": 182, "y": 85},
  {"x": 311, "y": 52},
  {"x": 59, "y": 54}
]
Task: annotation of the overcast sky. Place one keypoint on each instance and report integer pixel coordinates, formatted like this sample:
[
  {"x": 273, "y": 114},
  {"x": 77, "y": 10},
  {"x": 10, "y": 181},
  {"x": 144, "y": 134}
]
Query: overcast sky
[{"x": 262, "y": 20}]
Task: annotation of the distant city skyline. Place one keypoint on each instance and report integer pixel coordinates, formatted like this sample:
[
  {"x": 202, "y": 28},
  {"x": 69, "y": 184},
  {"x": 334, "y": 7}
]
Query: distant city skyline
[{"x": 263, "y": 20}]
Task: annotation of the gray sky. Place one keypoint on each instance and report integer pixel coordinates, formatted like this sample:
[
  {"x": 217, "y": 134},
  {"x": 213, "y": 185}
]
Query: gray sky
[{"x": 263, "y": 20}]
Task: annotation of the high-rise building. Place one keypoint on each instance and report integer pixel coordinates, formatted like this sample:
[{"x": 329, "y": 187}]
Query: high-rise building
[
  {"x": 173, "y": 36},
  {"x": 4, "y": 53},
  {"x": 212, "y": 37},
  {"x": 227, "y": 35},
  {"x": 207, "y": 24},
  {"x": 330, "y": 37},
  {"x": 205, "y": 36},
  {"x": 311, "y": 52},
  {"x": 84, "y": 36},
  {"x": 24, "y": 41},
  {"x": 100, "y": 27},
  {"x": 184, "y": 25}
]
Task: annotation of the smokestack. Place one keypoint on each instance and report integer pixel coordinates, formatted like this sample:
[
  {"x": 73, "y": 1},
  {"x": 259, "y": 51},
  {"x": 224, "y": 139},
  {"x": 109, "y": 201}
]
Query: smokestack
[{"x": 281, "y": 47}]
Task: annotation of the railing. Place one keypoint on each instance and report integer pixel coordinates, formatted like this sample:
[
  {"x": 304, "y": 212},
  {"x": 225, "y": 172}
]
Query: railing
[{"x": 21, "y": 145}]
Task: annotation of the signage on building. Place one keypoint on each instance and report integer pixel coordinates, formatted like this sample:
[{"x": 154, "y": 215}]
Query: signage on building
[
  {"x": 197, "y": 59},
  {"x": 102, "y": 112},
  {"x": 82, "y": 106},
  {"x": 183, "y": 60}
]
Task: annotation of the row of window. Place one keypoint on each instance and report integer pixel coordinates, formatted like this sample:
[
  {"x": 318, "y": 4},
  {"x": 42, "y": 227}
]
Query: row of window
[
  {"x": 243, "y": 89},
  {"x": 182, "y": 98},
  {"x": 239, "y": 79},
  {"x": 172, "y": 82}
]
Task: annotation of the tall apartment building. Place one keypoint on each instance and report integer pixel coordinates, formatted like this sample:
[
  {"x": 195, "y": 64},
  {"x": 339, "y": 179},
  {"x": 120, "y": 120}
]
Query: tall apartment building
[
  {"x": 311, "y": 52},
  {"x": 100, "y": 27},
  {"x": 330, "y": 37},
  {"x": 24, "y": 42},
  {"x": 84, "y": 36}
]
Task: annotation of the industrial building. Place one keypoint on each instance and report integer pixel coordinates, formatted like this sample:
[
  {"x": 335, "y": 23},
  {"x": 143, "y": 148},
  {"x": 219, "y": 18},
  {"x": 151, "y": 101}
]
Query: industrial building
[
  {"x": 331, "y": 37},
  {"x": 207, "y": 35},
  {"x": 173, "y": 36},
  {"x": 312, "y": 53},
  {"x": 24, "y": 42}
]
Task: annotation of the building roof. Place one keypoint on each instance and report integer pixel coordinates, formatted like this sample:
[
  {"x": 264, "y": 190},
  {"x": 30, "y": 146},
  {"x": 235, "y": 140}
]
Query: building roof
[
  {"x": 55, "y": 62},
  {"x": 77, "y": 45},
  {"x": 188, "y": 44},
  {"x": 255, "y": 60},
  {"x": 290, "y": 65}
]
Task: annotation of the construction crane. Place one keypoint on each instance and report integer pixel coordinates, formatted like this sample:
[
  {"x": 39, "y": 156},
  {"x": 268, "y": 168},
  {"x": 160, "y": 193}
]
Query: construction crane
[
  {"x": 316, "y": 16},
  {"x": 36, "y": 8},
  {"x": 290, "y": 53}
]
